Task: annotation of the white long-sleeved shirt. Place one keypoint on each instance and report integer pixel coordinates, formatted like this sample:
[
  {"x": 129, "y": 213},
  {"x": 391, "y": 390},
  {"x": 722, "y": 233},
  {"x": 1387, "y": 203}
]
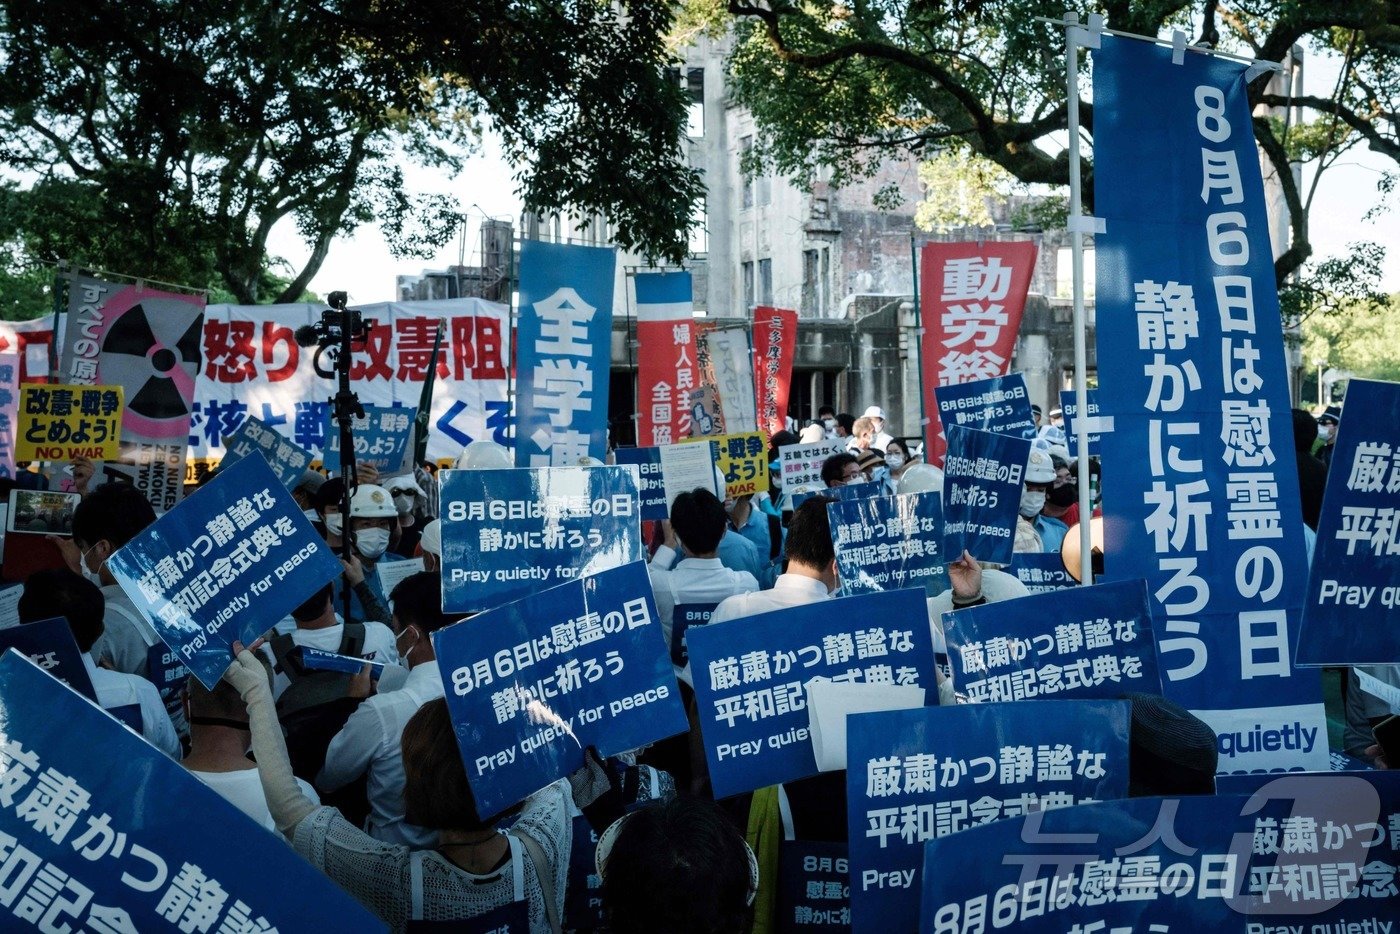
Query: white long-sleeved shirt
[
  {"x": 126, "y": 636},
  {"x": 371, "y": 740},
  {"x": 119, "y": 689},
  {"x": 788, "y": 590},
  {"x": 692, "y": 580}
]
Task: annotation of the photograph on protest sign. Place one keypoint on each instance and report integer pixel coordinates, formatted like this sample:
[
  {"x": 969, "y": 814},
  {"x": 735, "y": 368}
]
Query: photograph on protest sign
[
  {"x": 999, "y": 404},
  {"x": 41, "y": 512},
  {"x": 226, "y": 565},
  {"x": 532, "y": 683},
  {"x": 110, "y": 834},
  {"x": 917, "y": 775},
  {"x": 742, "y": 459},
  {"x": 1193, "y": 372},
  {"x": 751, "y": 677},
  {"x": 1349, "y": 617},
  {"x": 286, "y": 458},
  {"x": 509, "y": 532},
  {"x": 1223, "y": 862},
  {"x": 1085, "y": 642},
  {"x": 982, "y": 484},
  {"x": 889, "y": 543},
  {"x": 59, "y": 423},
  {"x": 148, "y": 342}
]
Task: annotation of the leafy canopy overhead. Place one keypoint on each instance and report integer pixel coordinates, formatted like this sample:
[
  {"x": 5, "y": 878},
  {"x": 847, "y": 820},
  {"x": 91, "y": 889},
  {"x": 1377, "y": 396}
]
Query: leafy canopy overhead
[
  {"x": 172, "y": 135},
  {"x": 833, "y": 84}
]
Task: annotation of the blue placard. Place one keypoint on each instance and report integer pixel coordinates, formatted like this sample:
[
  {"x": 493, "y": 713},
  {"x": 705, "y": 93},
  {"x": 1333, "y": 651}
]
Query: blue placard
[
  {"x": 1041, "y": 571},
  {"x": 583, "y": 893},
  {"x": 751, "y": 675},
  {"x": 286, "y": 458},
  {"x": 562, "y": 355},
  {"x": 915, "y": 775},
  {"x": 99, "y": 837},
  {"x": 381, "y": 438},
  {"x": 226, "y": 564},
  {"x": 513, "y": 532},
  {"x": 317, "y": 660},
  {"x": 1191, "y": 369},
  {"x": 1070, "y": 409},
  {"x": 889, "y": 543},
  {"x": 1354, "y": 588},
  {"x": 49, "y": 643},
  {"x": 653, "y": 488},
  {"x": 532, "y": 683},
  {"x": 814, "y": 890},
  {"x": 983, "y": 475},
  {"x": 1082, "y": 643},
  {"x": 799, "y": 498},
  {"x": 847, "y": 492},
  {"x": 169, "y": 673},
  {"x": 998, "y": 404},
  {"x": 683, "y": 617},
  {"x": 1307, "y": 854}
]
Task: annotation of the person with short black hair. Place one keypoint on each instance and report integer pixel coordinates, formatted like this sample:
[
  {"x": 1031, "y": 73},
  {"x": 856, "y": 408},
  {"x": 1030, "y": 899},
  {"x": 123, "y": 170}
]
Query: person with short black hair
[
  {"x": 840, "y": 469},
  {"x": 677, "y": 866},
  {"x": 811, "y": 569},
  {"x": 1312, "y": 473},
  {"x": 370, "y": 743},
  {"x": 319, "y": 626},
  {"x": 61, "y": 593},
  {"x": 107, "y": 518}
]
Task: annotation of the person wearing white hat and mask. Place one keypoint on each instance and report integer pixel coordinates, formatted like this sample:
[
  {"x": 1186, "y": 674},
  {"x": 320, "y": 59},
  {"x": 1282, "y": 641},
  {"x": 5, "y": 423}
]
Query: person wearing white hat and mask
[
  {"x": 409, "y": 501},
  {"x": 882, "y": 438},
  {"x": 431, "y": 545},
  {"x": 374, "y": 521},
  {"x": 1040, "y": 474}
]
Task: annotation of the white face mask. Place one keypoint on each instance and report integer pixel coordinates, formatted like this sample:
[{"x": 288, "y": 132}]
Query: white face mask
[
  {"x": 1324, "y": 432},
  {"x": 829, "y": 423},
  {"x": 94, "y": 576},
  {"x": 1032, "y": 503},
  {"x": 334, "y": 524},
  {"x": 894, "y": 461},
  {"x": 371, "y": 543},
  {"x": 403, "y": 502}
]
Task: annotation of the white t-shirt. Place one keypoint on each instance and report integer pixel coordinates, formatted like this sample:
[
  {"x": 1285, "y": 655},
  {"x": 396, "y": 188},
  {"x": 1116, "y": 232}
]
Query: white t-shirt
[{"x": 243, "y": 789}]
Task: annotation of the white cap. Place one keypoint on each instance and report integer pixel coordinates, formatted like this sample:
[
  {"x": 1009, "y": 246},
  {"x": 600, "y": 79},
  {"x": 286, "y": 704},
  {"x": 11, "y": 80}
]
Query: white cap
[
  {"x": 431, "y": 539},
  {"x": 404, "y": 483},
  {"x": 811, "y": 433},
  {"x": 482, "y": 455},
  {"x": 372, "y": 501},
  {"x": 874, "y": 411},
  {"x": 921, "y": 478},
  {"x": 1040, "y": 468}
]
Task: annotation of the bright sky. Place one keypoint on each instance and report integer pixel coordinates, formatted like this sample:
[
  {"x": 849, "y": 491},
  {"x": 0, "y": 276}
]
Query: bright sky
[{"x": 361, "y": 264}]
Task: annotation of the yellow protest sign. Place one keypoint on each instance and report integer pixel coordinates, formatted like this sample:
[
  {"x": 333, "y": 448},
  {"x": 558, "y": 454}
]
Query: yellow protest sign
[
  {"x": 743, "y": 459},
  {"x": 60, "y": 422}
]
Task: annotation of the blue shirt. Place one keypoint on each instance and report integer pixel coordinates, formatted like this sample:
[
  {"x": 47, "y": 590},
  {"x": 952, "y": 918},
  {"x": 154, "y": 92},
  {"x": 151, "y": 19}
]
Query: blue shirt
[
  {"x": 736, "y": 553},
  {"x": 757, "y": 530},
  {"x": 1052, "y": 532}
]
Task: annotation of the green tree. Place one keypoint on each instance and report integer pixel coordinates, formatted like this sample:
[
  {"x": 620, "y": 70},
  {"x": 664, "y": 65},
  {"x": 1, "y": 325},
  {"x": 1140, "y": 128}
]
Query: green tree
[
  {"x": 168, "y": 137},
  {"x": 833, "y": 83},
  {"x": 1364, "y": 339}
]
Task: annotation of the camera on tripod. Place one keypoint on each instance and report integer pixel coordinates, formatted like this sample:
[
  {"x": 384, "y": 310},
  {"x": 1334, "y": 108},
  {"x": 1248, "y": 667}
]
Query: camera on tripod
[{"x": 338, "y": 328}]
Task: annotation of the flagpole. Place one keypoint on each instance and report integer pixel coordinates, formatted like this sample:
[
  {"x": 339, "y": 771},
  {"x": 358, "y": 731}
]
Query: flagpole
[
  {"x": 919, "y": 343},
  {"x": 1074, "y": 34}
]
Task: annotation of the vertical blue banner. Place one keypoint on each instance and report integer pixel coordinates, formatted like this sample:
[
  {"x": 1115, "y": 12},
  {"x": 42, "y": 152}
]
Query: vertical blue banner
[
  {"x": 531, "y": 684},
  {"x": 983, "y": 476},
  {"x": 1205, "y": 503},
  {"x": 917, "y": 775},
  {"x": 104, "y": 833},
  {"x": 1350, "y": 614},
  {"x": 1088, "y": 642},
  {"x": 563, "y": 353},
  {"x": 998, "y": 404}
]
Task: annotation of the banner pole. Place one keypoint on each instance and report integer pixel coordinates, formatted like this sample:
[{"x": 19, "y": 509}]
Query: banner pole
[
  {"x": 918, "y": 342},
  {"x": 1076, "y": 205}
]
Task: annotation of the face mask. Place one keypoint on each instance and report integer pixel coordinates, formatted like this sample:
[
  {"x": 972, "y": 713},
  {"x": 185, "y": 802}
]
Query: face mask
[
  {"x": 894, "y": 461},
  {"x": 403, "y": 502},
  {"x": 371, "y": 543},
  {"x": 1032, "y": 503},
  {"x": 405, "y": 652},
  {"x": 829, "y": 423},
  {"x": 311, "y": 515},
  {"x": 94, "y": 576},
  {"x": 1324, "y": 432},
  {"x": 334, "y": 524}
]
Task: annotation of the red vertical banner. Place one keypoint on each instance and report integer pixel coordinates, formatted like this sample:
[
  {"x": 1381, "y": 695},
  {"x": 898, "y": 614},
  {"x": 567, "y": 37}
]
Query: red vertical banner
[
  {"x": 971, "y": 297},
  {"x": 774, "y": 346},
  {"x": 667, "y": 365}
]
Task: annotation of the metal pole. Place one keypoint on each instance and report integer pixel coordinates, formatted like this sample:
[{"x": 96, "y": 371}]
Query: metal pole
[
  {"x": 919, "y": 344},
  {"x": 1081, "y": 394}
]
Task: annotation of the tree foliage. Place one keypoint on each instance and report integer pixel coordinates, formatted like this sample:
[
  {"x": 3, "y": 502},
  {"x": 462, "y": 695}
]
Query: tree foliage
[
  {"x": 173, "y": 135},
  {"x": 1362, "y": 339},
  {"x": 834, "y": 83}
]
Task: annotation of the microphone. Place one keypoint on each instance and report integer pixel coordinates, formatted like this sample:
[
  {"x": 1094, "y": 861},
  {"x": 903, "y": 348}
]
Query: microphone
[{"x": 308, "y": 335}]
